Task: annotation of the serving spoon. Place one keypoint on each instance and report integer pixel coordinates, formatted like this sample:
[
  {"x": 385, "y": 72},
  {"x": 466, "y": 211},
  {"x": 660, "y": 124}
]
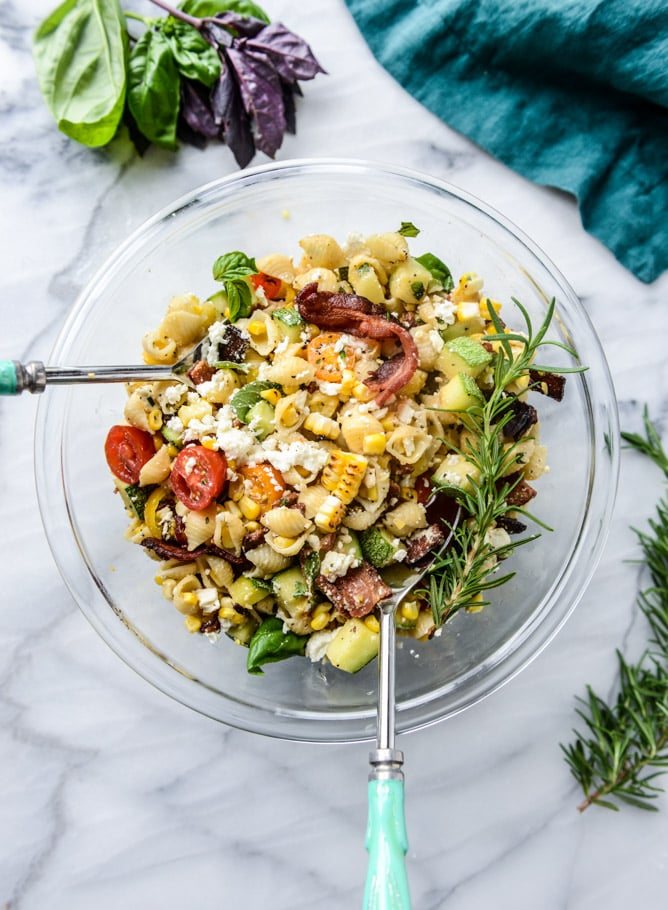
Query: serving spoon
[
  {"x": 386, "y": 838},
  {"x": 34, "y": 376}
]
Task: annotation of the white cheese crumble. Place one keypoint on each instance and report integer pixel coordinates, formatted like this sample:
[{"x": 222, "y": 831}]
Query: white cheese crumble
[
  {"x": 335, "y": 565},
  {"x": 316, "y": 646},
  {"x": 283, "y": 456},
  {"x": 444, "y": 309},
  {"x": 329, "y": 388}
]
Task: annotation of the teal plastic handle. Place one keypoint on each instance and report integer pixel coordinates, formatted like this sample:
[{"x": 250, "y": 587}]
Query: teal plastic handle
[
  {"x": 8, "y": 384},
  {"x": 387, "y": 843}
]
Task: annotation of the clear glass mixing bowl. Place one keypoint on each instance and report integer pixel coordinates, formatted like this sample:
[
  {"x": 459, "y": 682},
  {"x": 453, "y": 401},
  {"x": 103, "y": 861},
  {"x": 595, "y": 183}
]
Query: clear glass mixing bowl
[{"x": 268, "y": 209}]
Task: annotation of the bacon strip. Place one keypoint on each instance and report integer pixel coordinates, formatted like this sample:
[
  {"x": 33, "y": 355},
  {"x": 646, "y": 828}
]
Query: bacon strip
[
  {"x": 359, "y": 316},
  {"x": 358, "y": 592},
  {"x": 183, "y": 554}
]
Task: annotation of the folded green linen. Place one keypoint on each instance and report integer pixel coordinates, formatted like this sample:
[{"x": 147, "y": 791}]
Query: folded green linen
[{"x": 569, "y": 94}]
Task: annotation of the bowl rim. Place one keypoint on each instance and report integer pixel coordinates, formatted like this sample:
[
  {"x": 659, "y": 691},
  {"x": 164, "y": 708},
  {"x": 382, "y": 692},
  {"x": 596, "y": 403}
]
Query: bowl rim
[{"x": 535, "y": 635}]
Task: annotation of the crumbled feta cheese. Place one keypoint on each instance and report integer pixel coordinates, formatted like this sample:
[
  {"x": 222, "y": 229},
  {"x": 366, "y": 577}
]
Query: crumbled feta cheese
[
  {"x": 329, "y": 388},
  {"x": 284, "y": 456},
  {"x": 316, "y": 646},
  {"x": 444, "y": 309},
  {"x": 173, "y": 394},
  {"x": 335, "y": 565}
]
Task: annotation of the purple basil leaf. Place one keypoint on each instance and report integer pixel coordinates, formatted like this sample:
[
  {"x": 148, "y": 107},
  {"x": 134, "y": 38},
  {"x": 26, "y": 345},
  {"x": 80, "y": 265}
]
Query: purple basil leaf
[
  {"x": 184, "y": 133},
  {"x": 262, "y": 96},
  {"x": 196, "y": 110},
  {"x": 245, "y": 26},
  {"x": 289, "y": 106},
  {"x": 229, "y": 113},
  {"x": 291, "y": 56}
]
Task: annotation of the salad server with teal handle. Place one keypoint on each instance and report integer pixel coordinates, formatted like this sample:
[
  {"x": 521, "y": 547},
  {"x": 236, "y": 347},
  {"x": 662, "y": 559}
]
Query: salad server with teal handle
[
  {"x": 35, "y": 376},
  {"x": 386, "y": 837}
]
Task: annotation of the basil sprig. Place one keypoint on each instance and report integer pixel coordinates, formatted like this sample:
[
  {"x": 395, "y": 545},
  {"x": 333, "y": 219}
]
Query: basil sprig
[
  {"x": 232, "y": 269},
  {"x": 270, "y": 644},
  {"x": 438, "y": 269},
  {"x": 211, "y": 69}
]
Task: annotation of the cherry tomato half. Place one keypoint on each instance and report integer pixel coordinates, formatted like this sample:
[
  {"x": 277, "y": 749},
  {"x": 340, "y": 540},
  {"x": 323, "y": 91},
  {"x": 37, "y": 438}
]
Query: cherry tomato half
[
  {"x": 127, "y": 449},
  {"x": 263, "y": 483},
  {"x": 198, "y": 476},
  {"x": 269, "y": 283},
  {"x": 329, "y": 357}
]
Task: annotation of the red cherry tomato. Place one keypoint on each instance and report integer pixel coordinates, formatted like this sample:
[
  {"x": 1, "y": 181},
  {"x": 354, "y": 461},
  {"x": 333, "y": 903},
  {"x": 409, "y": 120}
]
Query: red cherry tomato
[
  {"x": 198, "y": 476},
  {"x": 127, "y": 449},
  {"x": 269, "y": 284}
]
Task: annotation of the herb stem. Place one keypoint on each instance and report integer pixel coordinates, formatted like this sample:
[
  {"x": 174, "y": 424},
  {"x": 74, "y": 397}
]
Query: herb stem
[{"x": 179, "y": 14}]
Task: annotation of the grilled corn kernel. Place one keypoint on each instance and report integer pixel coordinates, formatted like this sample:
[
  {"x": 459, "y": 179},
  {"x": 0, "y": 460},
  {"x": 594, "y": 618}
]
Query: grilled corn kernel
[
  {"x": 343, "y": 473},
  {"x": 192, "y": 623},
  {"x": 348, "y": 382},
  {"x": 155, "y": 419},
  {"x": 374, "y": 444},
  {"x": 208, "y": 442},
  {"x": 362, "y": 392},
  {"x": 230, "y": 614},
  {"x": 321, "y": 618},
  {"x": 257, "y": 328},
  {"x": 249, "y": 508},
  {"x": 330, "y": 514},
  {"x": 290, "y": 417},
  {"x": 273, "y": 396},
  {"x": 322, "y": 426},
  {"x": 372, "y": 623},
  {"x": 410, "y": 610},
  {"x": 388, "y": 423}
]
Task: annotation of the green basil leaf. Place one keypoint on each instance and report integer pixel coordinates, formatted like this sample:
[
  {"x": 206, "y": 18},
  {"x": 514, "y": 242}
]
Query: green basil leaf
[
  {"x": 438, "y": 269},
  {"x": 233, "y": 265},
  {"x": 244, "y": 398},
  {"x": 138, "y": 497},
  {"x": 153, "y": 88},
  {"x": 408, "y": 229},
  {"x": 239, "y": 299},
  {"x": 203, "y": 8},
  {"x": 311, "y": 570},
  {"x": 80, "y": 53},
  {"x": 270, "y": 644},
  {"x": 195, "y": 57}
]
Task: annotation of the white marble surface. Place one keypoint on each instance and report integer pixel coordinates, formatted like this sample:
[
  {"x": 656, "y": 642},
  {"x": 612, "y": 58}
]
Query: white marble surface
[{"x": 112, "y": 795}]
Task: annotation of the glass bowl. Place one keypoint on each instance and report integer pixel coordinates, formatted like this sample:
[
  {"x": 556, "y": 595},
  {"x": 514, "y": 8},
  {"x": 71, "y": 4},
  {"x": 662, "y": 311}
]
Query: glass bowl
[{"x": 268, "y": 209}]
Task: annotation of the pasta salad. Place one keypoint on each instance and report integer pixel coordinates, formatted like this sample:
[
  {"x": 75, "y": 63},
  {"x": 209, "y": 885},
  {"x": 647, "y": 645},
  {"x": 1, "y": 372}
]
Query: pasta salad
[{"x": 342, "y": 415}]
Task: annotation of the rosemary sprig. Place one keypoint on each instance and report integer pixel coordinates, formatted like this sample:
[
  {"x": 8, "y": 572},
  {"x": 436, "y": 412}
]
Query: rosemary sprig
[
  {"x": 461, "y": 576},
  {"x": 625, "y": 744}
]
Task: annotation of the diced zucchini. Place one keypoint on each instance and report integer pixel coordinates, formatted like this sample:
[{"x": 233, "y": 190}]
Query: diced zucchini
[
  {"x": 353, "y": 646},
  {"x": 170, "y": 435},
  {"x": 409, "y": 281},
  {"x": 134, "y": 497},
  {"x": 378, "y": 546},
  {"x": 464, "y": 327},
  {"x": 460, "y": 393},
  {"x": 463, "y": 355},
  {"x": 289, "y": 322},
  {"x": 246, "y": 592},
  {"x": 260, "y": 419},
  {"x": 291, "y": 590},
  {"x": 241, "y": 633}
]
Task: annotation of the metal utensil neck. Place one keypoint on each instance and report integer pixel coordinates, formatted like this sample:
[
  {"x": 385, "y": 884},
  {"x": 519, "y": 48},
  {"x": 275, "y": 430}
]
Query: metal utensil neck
[{"x": 30, "y": 377}]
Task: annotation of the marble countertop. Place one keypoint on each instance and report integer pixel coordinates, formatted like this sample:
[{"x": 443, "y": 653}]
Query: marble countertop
[{"x": 113, "y": 795}]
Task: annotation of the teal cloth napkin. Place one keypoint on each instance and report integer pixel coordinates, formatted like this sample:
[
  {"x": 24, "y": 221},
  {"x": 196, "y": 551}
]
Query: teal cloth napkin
[{"x": 569, "y": 94}]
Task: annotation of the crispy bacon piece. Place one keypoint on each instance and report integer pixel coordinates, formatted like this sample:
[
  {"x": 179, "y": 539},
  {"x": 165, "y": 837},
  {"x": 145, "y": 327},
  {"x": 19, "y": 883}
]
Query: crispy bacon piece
[
  {"x": 200, "y": 372},
  {"x": 253, "y": 539},
  {"x": 360, "y": 317},
  {"x": 358, "y": 592},
  {"x": 183, "y": 554},
  {"x": 524, "y": 416},
  {"x": 550, "y": 384},
  {"x": 233, "y": 345},
  {"x": 424, "y": 542},
  {"x": 521, "y": 493}
]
